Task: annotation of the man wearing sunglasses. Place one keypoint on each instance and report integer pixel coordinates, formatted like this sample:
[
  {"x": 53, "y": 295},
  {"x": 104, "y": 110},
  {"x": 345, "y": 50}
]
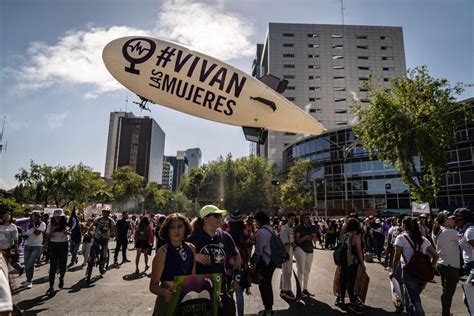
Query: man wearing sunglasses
[{"x": 215, "y": 247}]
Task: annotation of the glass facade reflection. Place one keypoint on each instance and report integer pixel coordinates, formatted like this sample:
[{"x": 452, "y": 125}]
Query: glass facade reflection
[{"x": 346, "y": 179}]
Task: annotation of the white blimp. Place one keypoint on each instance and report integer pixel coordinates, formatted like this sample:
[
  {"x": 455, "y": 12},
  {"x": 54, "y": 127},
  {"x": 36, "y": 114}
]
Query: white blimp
[{"x": 174, "y": 76}]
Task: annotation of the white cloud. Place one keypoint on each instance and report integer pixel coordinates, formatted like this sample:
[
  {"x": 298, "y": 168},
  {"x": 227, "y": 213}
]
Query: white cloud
[
  {"x": 75, "y": 59},
  {"x": 77, "y": 56},
  {"x": 206, "y": 28},
  {"x": 56, "y": 120}
]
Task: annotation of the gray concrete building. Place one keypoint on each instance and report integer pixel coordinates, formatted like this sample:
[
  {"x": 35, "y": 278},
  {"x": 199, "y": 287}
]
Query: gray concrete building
[
  {"x": 194, "y": 156},
  {"x": 325, "y": 66},
  {"x": 167, "y": 182},
  {"x": 138, "y": 142}
]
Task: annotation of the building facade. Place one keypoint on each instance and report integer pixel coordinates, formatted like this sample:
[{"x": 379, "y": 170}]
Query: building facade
[
  {"x": 180, "y": 167},
  {"x": 326, "y": 66},
  {"x": 135, "y": 142},
  {"x": 167, "y": 182},
  {"x": 344, "y": 178},
  {"x": 193, "y": 155}
]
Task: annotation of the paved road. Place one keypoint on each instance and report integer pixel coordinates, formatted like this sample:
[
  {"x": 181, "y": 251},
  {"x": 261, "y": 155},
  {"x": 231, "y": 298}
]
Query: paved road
[{"x": 119, "y": 292}]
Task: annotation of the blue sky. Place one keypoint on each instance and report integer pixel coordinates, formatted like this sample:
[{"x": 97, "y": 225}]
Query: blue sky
[{"x": 57, "y": 97}]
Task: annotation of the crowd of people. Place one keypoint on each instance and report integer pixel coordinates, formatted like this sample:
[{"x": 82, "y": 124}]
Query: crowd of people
[{"x": 246, "y": 250}]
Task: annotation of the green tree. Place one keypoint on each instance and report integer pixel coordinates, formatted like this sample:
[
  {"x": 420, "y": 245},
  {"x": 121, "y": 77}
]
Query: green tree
[
  {"x": 61, "y": 186},
  {"x": 416, "y": 116},
  {"x": 12, "y": 206},
  {"x": 296, "y": 192},
  {"x": 155, "y": 199},
  {"x": 127, "y": 185}
]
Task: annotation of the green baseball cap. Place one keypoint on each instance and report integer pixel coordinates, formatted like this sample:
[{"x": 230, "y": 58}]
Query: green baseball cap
[{"x": 211, "y": 209}]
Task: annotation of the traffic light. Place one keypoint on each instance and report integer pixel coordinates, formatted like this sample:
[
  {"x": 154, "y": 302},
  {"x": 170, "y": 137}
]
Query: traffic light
[{"x": 276, "y": 182}]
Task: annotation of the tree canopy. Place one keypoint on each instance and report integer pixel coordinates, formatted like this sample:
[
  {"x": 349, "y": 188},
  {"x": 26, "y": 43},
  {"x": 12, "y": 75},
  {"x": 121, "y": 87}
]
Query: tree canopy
[
  {"x": 243, "y": 184},
  {"x": 295, "y": 192},
  {"x": 415, "y": 117}
]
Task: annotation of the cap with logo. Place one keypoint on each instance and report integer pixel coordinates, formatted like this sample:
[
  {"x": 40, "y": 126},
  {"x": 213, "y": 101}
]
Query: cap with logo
[{"x": 211, "y": 209}]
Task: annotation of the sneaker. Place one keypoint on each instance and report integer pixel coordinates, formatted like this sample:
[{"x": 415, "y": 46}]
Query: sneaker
[
  {"x": 115, "y": 263},
  {"x": 339, "y": 302},
  {"x": 289, "y": 296},
  {"x": 29, "y": 285},
  {"x": 265, "y": 313},
  {"x": 307, "y": 293},
  {"x": 125, "y": 260},
  {"x": 354, "y": 308},
  {"x": 50, "y": 291},
  {"x": 24, "y": 283},
  {"x": 61, "y": 283},
  {"x": 282, "y": 293}
]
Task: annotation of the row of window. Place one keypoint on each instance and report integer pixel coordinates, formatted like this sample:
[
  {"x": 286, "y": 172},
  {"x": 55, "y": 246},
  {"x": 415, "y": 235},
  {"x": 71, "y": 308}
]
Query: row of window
[
  {"x": 339, "y": 67},
  {"x": 337, "y": 46},
  {"x": 340, "y": 111},
  {"x": 313, "y": 35},
  {"x": 317, "y": 56}
]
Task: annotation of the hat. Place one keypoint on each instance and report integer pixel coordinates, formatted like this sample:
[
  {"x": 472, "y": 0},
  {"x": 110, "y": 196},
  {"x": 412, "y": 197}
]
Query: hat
[
  {"x": 58, "y": 212},
  {"x": 236, "y": 216},
  {"x": 106, "y": 209},
  {"x": 211, "y": 209},
  {"x": 462, "y": 213}
]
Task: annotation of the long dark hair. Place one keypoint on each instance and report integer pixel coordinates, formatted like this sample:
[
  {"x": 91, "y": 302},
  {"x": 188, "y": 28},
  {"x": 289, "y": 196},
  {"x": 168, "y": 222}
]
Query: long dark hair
[
  {"x": 440, "y": 219},
  {"x": 413, "y": 229}
]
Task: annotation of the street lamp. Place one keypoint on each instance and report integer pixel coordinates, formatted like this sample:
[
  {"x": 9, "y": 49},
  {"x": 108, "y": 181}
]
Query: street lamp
[{"x": 345, "y": 154}]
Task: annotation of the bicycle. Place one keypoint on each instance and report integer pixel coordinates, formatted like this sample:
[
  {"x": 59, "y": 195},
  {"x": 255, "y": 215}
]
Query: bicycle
[{"x": 94, "y": 259}]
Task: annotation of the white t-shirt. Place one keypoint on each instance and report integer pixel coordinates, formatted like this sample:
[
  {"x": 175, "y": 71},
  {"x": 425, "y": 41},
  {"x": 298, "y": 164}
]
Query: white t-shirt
[
  {"x": 407, "y": 249},
  {"x": 287, "y": 237},
  {"x": 447, "y": 247},
  {"x": 34, "y": 240},
  {"x": 56, "y": 236},
  {"x": 467, "y": 252}
]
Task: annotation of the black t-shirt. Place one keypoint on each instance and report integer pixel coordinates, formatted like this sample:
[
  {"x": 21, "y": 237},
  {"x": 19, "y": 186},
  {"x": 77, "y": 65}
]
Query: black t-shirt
[
  {"x": 218, "y": 248},
  {"x": 122, "y": 228}
]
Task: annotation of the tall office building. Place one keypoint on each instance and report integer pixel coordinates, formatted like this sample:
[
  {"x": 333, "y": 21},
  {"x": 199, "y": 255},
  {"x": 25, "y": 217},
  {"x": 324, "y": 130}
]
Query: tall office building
[
  {"x": 135, "y": 142},
  {"x": 325, "y": 66},
  {"x": 193, "y": 155},
  {"x": 180, "y": 167},
  {"x": 167, "y": 182}
]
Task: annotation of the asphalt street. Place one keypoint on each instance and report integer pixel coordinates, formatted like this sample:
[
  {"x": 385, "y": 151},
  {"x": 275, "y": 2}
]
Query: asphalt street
[{"x": 120, "y": 292}]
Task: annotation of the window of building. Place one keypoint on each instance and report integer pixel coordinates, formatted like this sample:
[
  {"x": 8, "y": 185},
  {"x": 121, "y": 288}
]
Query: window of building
[
  {"x": 361, "y": 36},
  {"x": 290, "y": 87},
  {"x": 310, "y": 77},
  {"x": 385, "y": 37},
  {"x": 312, "y": 35},
  {"x": 365, "y": 100},
  {"x": 313, "y": 88},
  {"x": 386, "y": 79},
  {"x": 336, "y": 36},
  {"x": 313, "y": 66},
  {"x": 363, "y": 57},
  {"x": 341, "y": 111},
  {"x": 387, "y": 58},
  {"x": 288, "y": 45},
  {"x": 361, "y": 89},
  {"x": 339, "y": 89},
  {"x": 291, "y": 99},
  {"x": 338, "y": 46},
  {"x": 288, "y": 34},
  {"x": 338, "y": 77},
  {"x": 312, "y": 110},
  {"x": 341, "y": 123},
  {"x": 313, "y": 45},
  {"x": 288, "y": 66},
  {"x": 340, "y": 100},
  {"x": 312, "y": 99},
  {"x": 363, "y": 78},
  {"x": 337, "y": 57},
  {"x": 288, "y": 76},
  {"x": 313, "y": 56},
  {"x": 385, "y": 47},
  {"x": 289, "y": 134},
  {"x": 362, "y": 47},
  {"x": 363, "y": 68},
  {"x": 289, "y": 55},
  {"x": 337, "y": 67},
  {"x": 385, "y": 69}
]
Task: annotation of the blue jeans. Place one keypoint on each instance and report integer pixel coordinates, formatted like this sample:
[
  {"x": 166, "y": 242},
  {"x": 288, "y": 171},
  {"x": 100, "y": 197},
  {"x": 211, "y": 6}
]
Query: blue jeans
[
  {"x": 413, "y": 288},
  {"x": 31, "y": 254},
  {"x": 239, "y": 299}
]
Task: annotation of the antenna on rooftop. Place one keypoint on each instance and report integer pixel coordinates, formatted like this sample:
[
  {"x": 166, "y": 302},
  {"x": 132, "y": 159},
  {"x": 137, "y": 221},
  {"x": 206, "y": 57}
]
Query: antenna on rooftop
[{"x": 342, "y": 11}]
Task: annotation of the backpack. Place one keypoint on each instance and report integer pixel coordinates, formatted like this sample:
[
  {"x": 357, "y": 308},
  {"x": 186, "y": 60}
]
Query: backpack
[
  {"x": 420, "y": 264},
  {"x": 279, "y": 254},
  {"x": 142, "y": 234},
  {"x": 340, "y": 253}
]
